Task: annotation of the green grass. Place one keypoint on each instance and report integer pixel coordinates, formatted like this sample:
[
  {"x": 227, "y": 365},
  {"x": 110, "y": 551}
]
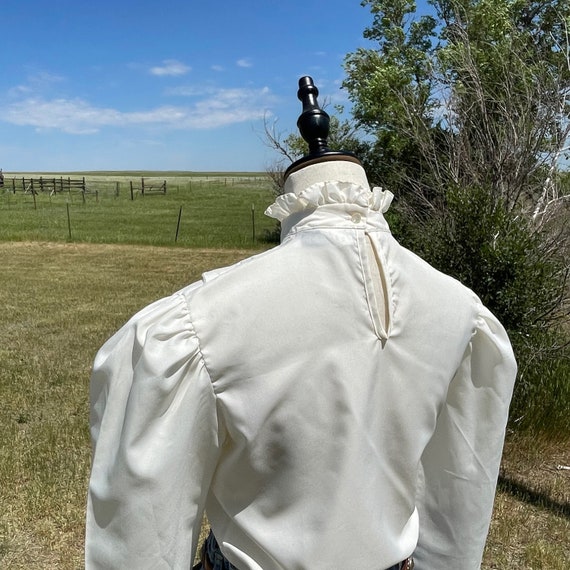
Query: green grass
[
  {"x": 217, "y": 210},
  {"x": 541, "y": 401}
]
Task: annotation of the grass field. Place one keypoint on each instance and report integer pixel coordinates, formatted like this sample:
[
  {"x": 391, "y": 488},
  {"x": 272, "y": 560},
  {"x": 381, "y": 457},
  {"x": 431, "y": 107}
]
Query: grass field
[
  {"x": 198, "y": 209},
  {"x": 61, "y": 301}
]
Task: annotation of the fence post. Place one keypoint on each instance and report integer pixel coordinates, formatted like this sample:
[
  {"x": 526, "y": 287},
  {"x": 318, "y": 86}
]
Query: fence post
[
  {"x": 178, "y": 224},
  {"x": 253, "y": 223},
  {"x": 132, "y": 195},
  {"x": 117, "y": 189},
  {"x": 68, "y": 221},
  {"x": 142, "y": 186}
]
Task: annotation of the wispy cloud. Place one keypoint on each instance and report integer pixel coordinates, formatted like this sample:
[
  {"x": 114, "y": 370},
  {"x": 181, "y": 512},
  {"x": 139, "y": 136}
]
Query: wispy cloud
[
  {"x": 43, "y": 78},
  {"x": 19, "y": 90},
  {"x": 217, "y": 68},
  {"x": 244, "y": 62},
  {"x": 36, "y": 82},
  {"x": 77, "y": 116},
  {"x": 171, "y": 67}
]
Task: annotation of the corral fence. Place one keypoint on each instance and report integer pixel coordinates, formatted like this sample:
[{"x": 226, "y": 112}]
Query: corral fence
[
  {"x": 42, "y": 184},
  {"x": 138, "y": 186},
  {"x": 150, "y": 187},
  {"x": 53, "y": 185}
]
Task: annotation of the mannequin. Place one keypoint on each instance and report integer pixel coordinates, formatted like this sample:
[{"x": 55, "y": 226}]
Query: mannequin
[{"x": 333, "y": 402}]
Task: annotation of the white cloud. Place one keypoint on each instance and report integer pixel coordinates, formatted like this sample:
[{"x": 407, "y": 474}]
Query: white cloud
[
  {"x": 217, "y": 68},
  {"x": 76, "y": 116},
  {"x": 170, "y": 67},
  {"x": 244, "y": 62}
]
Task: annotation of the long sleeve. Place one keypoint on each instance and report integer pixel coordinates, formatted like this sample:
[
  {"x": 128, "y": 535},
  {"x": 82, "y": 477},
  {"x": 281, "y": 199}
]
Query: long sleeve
[
  {"x": 459, "y": 467},
  {"x": 156, "y": 441}
]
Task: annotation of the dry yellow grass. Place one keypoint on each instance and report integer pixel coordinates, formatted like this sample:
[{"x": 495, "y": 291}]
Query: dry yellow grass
[
  {"x": 60, "y": 302},
  {"x": 531, "y": 521}
]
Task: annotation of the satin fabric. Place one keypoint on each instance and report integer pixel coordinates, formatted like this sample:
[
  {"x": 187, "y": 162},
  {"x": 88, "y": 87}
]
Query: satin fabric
[{"x": 332, "y": 403}]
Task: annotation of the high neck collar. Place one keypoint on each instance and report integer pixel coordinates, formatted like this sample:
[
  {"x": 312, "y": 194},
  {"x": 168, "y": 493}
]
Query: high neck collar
[{"x": 346, "y": 198}]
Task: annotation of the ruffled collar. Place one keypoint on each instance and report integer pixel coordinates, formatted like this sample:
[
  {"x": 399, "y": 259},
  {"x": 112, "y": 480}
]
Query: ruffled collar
[{"x": 329, "y": 192}]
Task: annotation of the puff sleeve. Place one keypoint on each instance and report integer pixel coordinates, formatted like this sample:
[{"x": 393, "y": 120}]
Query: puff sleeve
[
  {"x": 155, "y": 432},
  {"x": 460, "y": 465}
]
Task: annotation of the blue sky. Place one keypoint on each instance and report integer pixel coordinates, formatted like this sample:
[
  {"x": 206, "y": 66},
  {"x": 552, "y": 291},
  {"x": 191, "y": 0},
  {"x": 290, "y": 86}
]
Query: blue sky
[{"x": 162, "y": 85}]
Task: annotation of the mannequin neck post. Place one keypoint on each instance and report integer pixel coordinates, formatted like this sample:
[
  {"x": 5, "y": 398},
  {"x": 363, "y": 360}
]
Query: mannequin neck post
[{"x": 341, "y": 170}]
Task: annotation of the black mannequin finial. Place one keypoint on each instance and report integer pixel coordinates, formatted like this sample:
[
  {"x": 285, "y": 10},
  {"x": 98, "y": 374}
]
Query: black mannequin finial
[{"x": 313, "y": 124}]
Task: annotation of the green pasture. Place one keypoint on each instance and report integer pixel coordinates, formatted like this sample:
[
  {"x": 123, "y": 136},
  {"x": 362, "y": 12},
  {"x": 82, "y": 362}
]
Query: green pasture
[{"x": 197, "y": 210}]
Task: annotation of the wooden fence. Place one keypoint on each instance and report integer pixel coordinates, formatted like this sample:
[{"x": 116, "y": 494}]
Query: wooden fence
[
  {"x": 52, "y": 185},
  {"x": 152, "y": 186}
]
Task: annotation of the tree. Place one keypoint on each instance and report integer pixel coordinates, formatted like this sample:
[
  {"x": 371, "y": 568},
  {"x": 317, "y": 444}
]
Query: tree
[
  {"x": 475, "y": 98},
  {"x": 478, "y": 94},
  {"x": 468, "y": 111}
]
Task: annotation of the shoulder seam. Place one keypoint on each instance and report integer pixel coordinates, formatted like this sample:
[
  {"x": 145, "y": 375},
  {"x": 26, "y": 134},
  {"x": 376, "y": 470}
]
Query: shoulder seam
[{"x": 195, "y": 333}]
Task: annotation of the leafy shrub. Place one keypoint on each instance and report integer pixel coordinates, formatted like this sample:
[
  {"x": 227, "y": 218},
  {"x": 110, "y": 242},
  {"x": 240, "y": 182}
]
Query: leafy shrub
[{"x": 519, "y": 273}]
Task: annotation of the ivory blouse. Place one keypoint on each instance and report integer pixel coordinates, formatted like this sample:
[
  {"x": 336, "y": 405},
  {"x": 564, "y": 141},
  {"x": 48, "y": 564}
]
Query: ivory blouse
[{"x": 333, "y": 403}]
